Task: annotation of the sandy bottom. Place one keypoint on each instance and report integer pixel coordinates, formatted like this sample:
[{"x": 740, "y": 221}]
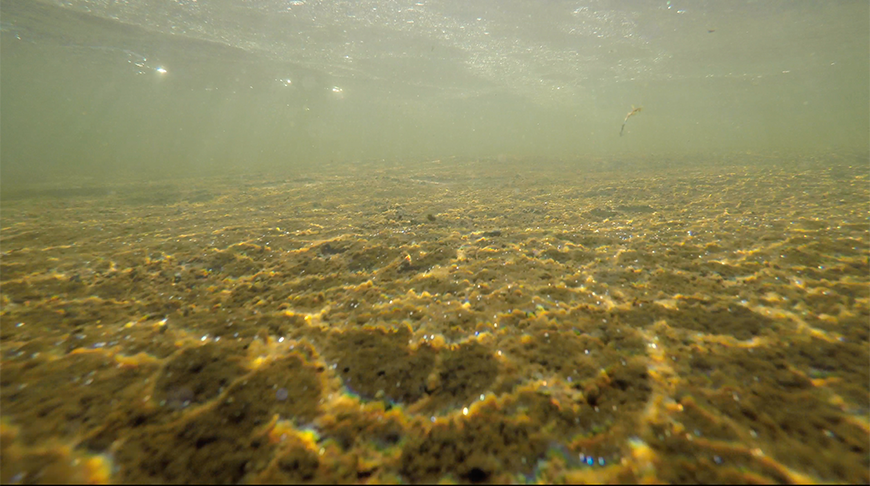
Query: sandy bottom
[{"x": 470, "y": 321}]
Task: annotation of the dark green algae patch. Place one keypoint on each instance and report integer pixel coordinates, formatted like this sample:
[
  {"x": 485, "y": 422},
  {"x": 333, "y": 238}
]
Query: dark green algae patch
[{"x": 469, "y": 321}]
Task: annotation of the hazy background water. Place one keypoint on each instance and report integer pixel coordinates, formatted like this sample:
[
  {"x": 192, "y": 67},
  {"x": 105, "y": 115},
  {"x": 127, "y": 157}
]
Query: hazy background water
[{"x": 98, "y": 88}]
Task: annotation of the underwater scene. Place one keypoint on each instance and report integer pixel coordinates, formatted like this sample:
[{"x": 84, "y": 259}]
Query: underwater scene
[{"x": 436, "y": 241}]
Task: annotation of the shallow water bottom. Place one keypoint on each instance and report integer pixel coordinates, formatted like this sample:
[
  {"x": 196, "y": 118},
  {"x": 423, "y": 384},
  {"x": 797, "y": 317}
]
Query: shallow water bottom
[{"x": 511, "y": 320}]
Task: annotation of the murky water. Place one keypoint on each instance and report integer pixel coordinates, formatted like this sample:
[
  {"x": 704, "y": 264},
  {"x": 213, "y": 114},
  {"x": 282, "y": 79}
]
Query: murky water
[{"x": 407, "y": 242}]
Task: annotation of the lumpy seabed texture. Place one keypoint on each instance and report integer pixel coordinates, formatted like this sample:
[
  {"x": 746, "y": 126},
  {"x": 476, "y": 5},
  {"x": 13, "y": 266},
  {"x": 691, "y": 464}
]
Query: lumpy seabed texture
[{"x": 461, "y": 320}]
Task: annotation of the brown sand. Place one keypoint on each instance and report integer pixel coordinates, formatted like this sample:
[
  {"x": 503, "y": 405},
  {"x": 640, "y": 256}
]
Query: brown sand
[{"x": 512, "y": 320}]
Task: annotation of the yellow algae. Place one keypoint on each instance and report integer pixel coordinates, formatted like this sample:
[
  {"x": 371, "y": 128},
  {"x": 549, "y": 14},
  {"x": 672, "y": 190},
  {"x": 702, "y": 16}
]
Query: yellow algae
[
  {"x": 648, "y": 330},
  {"x": 98, "y": 470},
  {"x": 673, "y": 407},
  {"x": 136, "y": 360},
  {"x": 669, "y": 303},
  {"x": 257, "y": 362},
  {"x": 860, "y": 422},
  {"x": 437, "y": 341},
  {"x": 282, "y": 430},
  {"x": 78, "y": 351},
  {"x": 643, "y": 460}
]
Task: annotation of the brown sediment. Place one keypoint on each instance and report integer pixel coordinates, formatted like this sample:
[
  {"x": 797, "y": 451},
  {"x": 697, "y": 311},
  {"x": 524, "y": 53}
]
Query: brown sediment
[{"x": 475, "y": 321}]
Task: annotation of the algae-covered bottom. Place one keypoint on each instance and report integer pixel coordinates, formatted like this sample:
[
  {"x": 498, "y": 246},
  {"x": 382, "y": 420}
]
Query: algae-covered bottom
[{"x": 472, "y": 321}]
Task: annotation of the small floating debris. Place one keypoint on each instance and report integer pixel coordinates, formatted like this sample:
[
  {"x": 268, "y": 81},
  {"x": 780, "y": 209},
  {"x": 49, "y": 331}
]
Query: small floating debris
[{"x": 633, "y": 111}]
